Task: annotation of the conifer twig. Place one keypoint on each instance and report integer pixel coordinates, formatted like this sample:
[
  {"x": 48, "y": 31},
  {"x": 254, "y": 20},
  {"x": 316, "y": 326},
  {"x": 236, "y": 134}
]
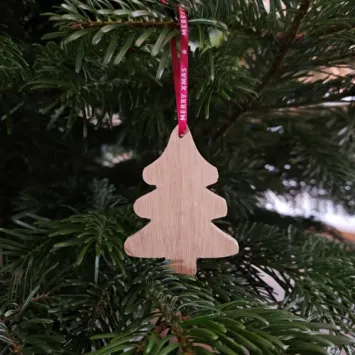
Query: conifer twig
[
  {"x": 173, "y": 24},
  {"x": 283, "y": 50},
  {"x": 15, "y": 346},
  {"x": 155, "y": 24},
  {"x": 42, "y": 297}
]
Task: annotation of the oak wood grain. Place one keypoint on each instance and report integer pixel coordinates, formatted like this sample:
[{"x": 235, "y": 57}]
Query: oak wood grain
[{"x": 181, "y": 209}]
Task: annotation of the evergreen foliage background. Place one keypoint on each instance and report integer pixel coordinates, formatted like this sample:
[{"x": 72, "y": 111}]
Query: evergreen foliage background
[{"x": 87, "y": 101}]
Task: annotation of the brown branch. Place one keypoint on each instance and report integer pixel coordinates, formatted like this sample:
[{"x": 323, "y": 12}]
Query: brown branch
[
  {"x": 337, "y": 28},
  {"x": 91, "y": 24},
  {"x": 15, "y": 346},
  {"x": 311, "y": 105},
  {"x": 4, "y": 90},
  {"x": 41, "y": 297},
  {"x": 173, "y": 24},
  {"x": 331, "y": 30},
  {"x": 97, "y": 307},
  {"x": 266, "y": 34},
  {"x": 295, "y": 107},
  {"x": 284, "y": 48}
]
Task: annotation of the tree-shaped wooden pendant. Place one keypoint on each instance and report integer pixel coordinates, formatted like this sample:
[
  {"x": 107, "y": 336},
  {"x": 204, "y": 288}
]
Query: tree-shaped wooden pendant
[{"x": 181, "y": 209}]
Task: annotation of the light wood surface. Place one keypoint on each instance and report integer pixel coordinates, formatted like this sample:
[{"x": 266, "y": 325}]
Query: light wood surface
[{"x": 181, "y": 209}]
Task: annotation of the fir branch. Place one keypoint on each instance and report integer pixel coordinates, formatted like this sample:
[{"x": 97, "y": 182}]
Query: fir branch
[
  {"x": 337, "y": 29},
  {"x": 41, "y": 297},
  {"x": 283, "y": 50},
  {"x": 312, "y": 147},
  {"x": 98, "y": 305},
  {"x": 136, "y": 24},
  {"x": 15, "y": 346},
  {"x": 308, "y": 105},
  {"x": 259, "y": 32}
]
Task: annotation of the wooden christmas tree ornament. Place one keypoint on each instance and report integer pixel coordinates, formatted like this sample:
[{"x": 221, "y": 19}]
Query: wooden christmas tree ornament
[{"x": 181, "y": 209}]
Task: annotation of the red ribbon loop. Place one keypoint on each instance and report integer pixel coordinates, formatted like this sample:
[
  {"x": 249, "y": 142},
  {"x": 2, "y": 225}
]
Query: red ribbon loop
[{"x": 181, "y": 71}]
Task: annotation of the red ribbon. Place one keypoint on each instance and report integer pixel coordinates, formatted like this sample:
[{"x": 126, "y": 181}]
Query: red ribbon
[{"x": 181, "y": 71}]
